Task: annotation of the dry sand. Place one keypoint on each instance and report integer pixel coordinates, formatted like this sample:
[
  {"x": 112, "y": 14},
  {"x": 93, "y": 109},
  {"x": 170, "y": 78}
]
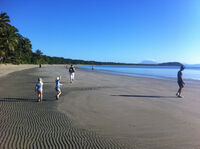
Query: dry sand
[
  {"x": 9, "y": 68},
  {"x": 97, "y": 111}
]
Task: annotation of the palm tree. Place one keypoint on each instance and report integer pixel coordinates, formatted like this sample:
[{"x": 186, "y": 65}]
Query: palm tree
[
  {"x": 2, "y": 55},
  {"x": 9, "y": 39},
  {"x": 24, "y": 49},
  {"x": 4, "y": 20},
  {"x": 39, "y": 56},
  {"x": 38, "y": 53},
  {"x": 8, "y": 36},
  {"x": 27, "y": 45},
  {"x": 24, "y": 44}
]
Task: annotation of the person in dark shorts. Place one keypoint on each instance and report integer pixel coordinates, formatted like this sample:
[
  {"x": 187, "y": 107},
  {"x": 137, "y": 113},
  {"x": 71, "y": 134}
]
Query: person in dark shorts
[{"x": 180, "y": 82}]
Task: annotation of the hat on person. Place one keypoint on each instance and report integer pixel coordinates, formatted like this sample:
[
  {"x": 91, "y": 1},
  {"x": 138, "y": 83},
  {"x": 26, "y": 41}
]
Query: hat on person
[{"x": 58, "y": 78}]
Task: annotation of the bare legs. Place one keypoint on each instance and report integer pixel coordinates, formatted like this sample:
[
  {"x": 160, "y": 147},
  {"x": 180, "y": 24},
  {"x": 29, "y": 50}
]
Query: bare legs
[
  {"x": 71, "y": 77},
  {"x": 40, "y": 96},
  {"x": 58, "y": 94},
  {"x": 178, "y": 94}
]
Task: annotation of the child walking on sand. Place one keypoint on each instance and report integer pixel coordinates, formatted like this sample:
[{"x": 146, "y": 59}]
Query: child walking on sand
[
  {"x": 58, "y": 84},
  {"x": 39, "y": 89}
]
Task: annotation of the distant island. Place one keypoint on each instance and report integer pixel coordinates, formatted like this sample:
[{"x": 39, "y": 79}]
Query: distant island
[{"x": 170, "y": 64}]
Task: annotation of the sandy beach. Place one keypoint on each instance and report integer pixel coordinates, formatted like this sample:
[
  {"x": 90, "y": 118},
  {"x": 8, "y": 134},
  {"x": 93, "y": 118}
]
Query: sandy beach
[
  {"x": 97, "y": 111},
  {"x": 9, "y": 68}
]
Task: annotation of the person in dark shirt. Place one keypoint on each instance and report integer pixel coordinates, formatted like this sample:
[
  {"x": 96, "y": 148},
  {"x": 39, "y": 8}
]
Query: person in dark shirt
[
  {"x": 72, "y": 73},
  {"x": 180, "y": 82}
]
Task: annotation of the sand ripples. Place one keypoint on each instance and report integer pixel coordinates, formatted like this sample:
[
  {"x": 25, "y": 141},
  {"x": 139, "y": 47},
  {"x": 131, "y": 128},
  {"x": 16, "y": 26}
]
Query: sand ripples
[{"x": 36, "y": 125}]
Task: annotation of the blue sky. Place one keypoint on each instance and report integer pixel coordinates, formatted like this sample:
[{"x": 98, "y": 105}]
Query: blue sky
[{"x": 110, "y": 30}]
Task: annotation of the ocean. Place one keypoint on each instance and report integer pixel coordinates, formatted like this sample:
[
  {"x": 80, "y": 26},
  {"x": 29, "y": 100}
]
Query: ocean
[{"x": 190, "y": 74}]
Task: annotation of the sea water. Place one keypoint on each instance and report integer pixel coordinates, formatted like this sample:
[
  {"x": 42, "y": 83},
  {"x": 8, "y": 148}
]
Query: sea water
[{"x": 190, "y": 74}]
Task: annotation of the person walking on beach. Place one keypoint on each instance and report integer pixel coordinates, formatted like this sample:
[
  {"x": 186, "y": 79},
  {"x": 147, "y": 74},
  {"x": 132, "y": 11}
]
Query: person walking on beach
[
  {"x": 39, "y": 89},
  {"x": 58, "y": 84},
  {"x": 180, "y": 82},
  {"x": 72, "y": 73}
]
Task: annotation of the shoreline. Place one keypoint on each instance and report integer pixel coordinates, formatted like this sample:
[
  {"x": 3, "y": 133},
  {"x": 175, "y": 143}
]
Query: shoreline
[
  {"x": 172, "y": 79},
  {"x": 9, "y": 68}
]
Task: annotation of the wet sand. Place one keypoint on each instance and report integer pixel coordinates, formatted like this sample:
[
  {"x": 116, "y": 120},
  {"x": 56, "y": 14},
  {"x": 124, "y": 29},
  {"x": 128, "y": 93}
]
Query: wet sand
[{"x": 97, "y": 111}]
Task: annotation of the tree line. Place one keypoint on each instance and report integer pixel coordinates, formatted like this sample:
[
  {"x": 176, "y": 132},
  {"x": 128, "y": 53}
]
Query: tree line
[{"x": 17, "y": 49}]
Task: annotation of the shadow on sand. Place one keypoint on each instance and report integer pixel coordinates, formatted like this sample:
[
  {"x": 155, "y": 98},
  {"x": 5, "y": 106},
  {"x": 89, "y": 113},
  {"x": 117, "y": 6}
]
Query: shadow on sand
[{"x": 145, "y": 96}]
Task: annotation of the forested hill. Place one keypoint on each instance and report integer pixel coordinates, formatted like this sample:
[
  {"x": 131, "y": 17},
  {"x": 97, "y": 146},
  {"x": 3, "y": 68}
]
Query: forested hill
[{"x": 170, "y": 64}]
